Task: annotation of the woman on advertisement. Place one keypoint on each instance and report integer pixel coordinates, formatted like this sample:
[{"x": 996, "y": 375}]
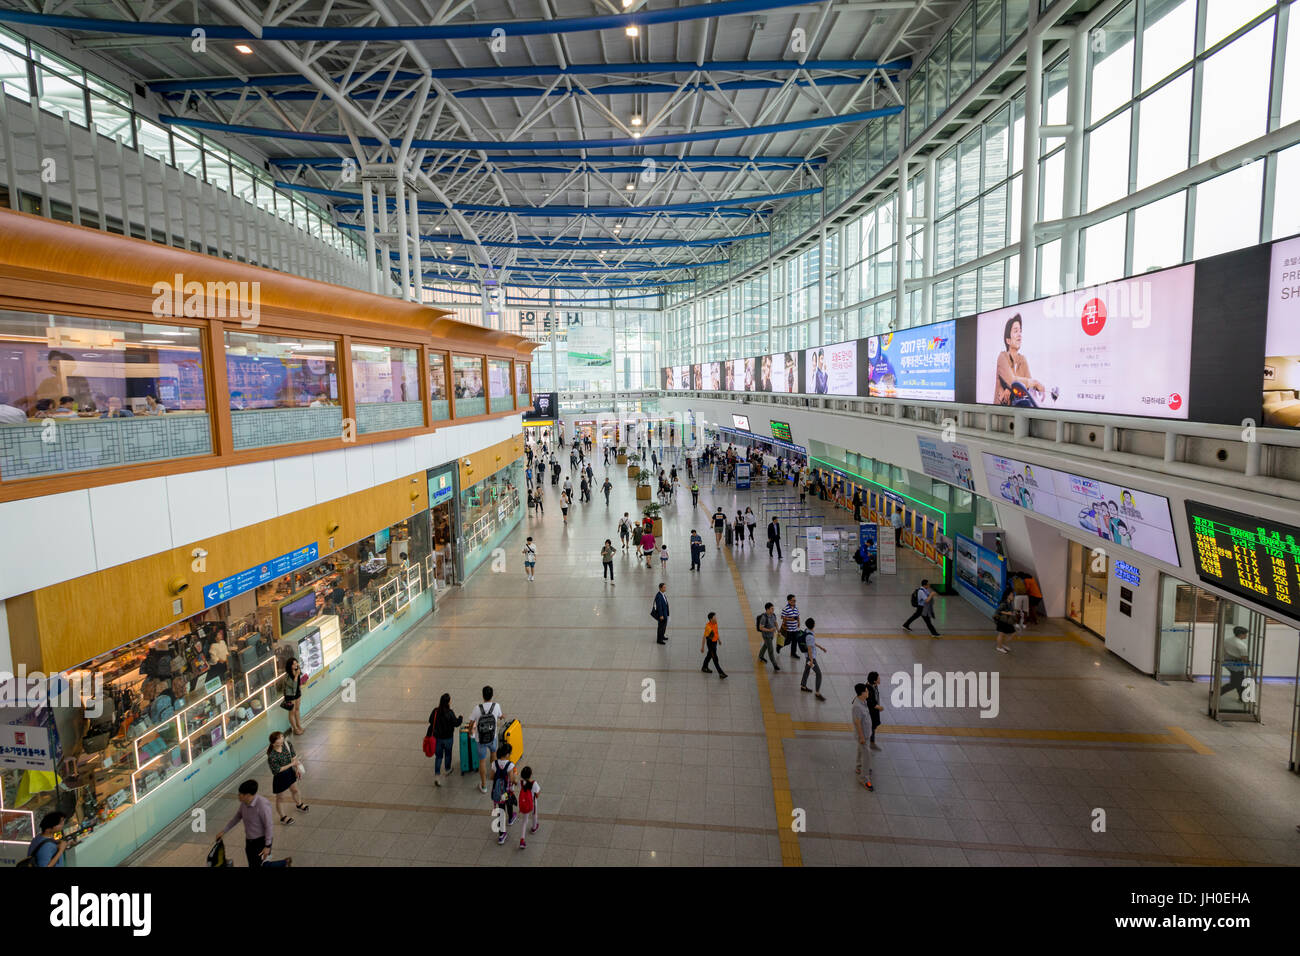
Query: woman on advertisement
[
  {"x": 1015, "y": 384},
  {"x": 765, "y": 377}
]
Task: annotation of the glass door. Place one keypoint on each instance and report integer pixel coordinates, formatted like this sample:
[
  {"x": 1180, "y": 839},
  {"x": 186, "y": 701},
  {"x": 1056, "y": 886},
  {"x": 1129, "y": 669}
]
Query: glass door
[
  {"x": 1238, "y": 663},
  {"x": 1086, "y": 588},
  {"x": 1177, "y": 627}
]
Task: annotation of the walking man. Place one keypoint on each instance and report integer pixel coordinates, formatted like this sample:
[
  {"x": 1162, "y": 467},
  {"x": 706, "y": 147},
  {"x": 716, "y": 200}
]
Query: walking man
[
  {"x": 709, "y": 646},
  {"x": 697, "y": 549},
  {"x": 719, "y": 526},
  {"x": 810, "y": 650},
  {"x": 923, "y": 602},
  {"x": 606, "y": 488},
  {"x": 259, "y": 827},
  {"x": 767, "y": 631},
  {"x": 790, "y": 626},
  {"x": 660, "y": 614},
  {"x": 774, "y": 537},
  {"x": 861, "y": 714},
  {"x": 625, "y": 529}
]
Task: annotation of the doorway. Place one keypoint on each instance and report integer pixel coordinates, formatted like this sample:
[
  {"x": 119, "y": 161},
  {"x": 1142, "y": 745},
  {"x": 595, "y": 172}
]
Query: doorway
[{"x": 1086, "y": 588}]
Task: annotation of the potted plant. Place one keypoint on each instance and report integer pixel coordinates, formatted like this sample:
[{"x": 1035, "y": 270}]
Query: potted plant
[
  {"x": 620, "y": 456},
  {"x": 642, "y": 485},
  {"x": 633, "y": 465},
  {"x": 653, "y": 511}
]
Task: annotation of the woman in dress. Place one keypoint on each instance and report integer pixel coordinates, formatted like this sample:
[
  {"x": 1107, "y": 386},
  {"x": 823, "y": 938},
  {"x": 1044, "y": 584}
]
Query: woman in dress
[
  {"x": 286, "y": 768},
  {"x": 292, "y": 684}
]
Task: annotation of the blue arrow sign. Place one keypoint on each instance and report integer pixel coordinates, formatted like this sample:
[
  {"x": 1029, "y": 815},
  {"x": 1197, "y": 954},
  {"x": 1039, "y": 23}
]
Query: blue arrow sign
[{"x": 221, "y": 591}]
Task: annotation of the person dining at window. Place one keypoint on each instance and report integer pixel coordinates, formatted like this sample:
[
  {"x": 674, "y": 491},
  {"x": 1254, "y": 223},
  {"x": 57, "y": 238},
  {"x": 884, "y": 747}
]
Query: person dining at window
[
  {"x": 67, "y": 408},
  {"x": 153, "y": 406},
  {"x": 11, "y": 414},
  {"x": 116, "y": 409}
]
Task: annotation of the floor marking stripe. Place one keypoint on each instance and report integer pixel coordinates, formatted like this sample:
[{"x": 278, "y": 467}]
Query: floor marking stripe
[
  {"x": 778, "y": 727},
  {"x": 1175, "y": 736}
]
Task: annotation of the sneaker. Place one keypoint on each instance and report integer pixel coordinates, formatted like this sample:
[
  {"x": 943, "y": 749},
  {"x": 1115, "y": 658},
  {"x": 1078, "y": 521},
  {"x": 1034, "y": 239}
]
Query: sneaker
[
  {"x": 820, "y": 697},
  {"x": 875, "y": 746},
  {"x": 868, "y": 785},
  {"x": 522, "y": 843},
  {"x": 482, "y": 788},
  {"x": 437, "y": 782},
  {"x": 513, "y": 817},
  {"x": 723, "y": 676},
  {"x": 1001, "y": 650},
  {"x": 804, "y": 689},
  {"x": 536, "y": 826},
  {"x": 501, "y": 840},
  {"x": 906, "y": 628}
]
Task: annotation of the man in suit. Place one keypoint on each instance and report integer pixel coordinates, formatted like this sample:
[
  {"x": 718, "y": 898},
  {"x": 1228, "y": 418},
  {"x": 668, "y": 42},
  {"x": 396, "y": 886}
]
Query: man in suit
[
  {"x": 661, "y": 614},
  {"x": 774, "y": 537}
]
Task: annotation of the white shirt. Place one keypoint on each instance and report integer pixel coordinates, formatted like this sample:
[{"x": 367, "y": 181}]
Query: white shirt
[
  {"x": 11, "y": 416},
  {"x": 481, "y": 710}
]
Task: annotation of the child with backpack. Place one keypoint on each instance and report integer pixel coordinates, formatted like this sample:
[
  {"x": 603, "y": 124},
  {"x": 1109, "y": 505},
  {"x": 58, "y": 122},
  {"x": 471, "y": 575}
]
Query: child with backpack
[
  {"x": 529, "y": 790},
  {"x": 503, "y": 780}
]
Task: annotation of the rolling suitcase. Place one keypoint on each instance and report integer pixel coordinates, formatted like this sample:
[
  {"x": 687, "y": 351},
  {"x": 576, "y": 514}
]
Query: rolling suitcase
[
  {"x": 514, "y": 736},
  {"x": 468, "y": 753}
]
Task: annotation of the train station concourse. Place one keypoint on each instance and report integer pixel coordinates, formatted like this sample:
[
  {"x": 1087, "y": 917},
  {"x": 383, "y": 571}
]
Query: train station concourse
[{"x": 652, "y": 433}]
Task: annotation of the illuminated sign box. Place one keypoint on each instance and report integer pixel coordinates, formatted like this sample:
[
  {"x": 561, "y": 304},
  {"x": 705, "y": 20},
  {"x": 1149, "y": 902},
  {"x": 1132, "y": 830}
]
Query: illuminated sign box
[{"x": 1253, "y": 558}]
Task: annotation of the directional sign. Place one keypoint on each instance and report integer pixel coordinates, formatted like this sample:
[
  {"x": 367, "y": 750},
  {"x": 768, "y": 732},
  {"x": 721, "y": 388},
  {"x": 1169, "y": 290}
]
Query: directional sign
[{"x": 220, "y": 591}]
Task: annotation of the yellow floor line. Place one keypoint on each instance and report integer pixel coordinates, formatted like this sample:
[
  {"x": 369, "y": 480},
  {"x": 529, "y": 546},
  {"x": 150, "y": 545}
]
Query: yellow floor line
[
  {"x": 946, "y": 636},
  {"x": 778, "y": 727},
  {"x": 1175, "y": 736},
  {"x": 1184, "y": 737}
]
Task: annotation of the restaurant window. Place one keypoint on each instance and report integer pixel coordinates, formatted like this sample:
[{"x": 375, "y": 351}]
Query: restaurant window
[
  {"x": 467, "y": 380},
  {"x": 438, "y": 387},
  {"x": 282, "y": 390},
  {"x": 523, "y": 388},
  {"x": 499, "y": 384},
  {"x": 79, "y": 394},
  {"x": 386, "y": 382}
]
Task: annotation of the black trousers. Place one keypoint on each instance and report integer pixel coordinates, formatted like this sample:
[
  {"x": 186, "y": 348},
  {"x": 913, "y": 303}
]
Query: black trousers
[
  {"x": 917, "y": 613},
  {"x": 695, "y": 558},
  {"x": 609, "y": 569},
  {"x": 661, "y": 634},
  {"x": 777, "y": 543},
  {"x": 253, "y": 853},
  {"x": 712, "y": 655},
  {"x": 792, "y": 642}
]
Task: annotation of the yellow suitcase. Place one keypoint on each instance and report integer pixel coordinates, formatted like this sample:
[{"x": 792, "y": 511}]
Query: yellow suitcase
[{"x": 514, "y": 736}]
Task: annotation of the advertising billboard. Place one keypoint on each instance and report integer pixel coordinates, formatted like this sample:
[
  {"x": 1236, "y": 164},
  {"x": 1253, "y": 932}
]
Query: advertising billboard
[
  {"x": 778, "y": 373},
  {"x": 1135, "y": 519},
  {"x": 831, "y": 369},
  {"x": 1121, "y": 348},
  {"x": 733, "y": 375},
  {"x": 1282, "y": 341},
  {"x": 917, "y": 363},
  {"x": 713, "y": 375},
  {"x": 947, "y": 461},
  {"x": 697, "y": 377},
  {"x": 740, "y": 421}
]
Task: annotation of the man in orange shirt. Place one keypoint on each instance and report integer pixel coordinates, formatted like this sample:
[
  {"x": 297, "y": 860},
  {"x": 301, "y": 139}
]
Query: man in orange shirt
[{"x": 709, "y": 646}]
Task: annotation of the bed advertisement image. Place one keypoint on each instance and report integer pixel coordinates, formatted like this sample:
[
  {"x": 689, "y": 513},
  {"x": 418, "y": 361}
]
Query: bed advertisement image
[
  {"x": 1135, "y": 519},
  {"x": 1282, "y": 342},
  {"x": 916, "y": 363},
  {"x": 1121, "y": 348},
  {"x": 831, "y": 369}
]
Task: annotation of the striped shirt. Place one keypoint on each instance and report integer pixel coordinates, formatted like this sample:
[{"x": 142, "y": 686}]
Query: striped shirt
[{"x": 790, "y": 618}]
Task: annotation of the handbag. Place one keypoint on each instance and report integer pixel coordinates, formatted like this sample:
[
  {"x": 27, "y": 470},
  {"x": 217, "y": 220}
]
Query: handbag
[{"x": 430, "y": 745}]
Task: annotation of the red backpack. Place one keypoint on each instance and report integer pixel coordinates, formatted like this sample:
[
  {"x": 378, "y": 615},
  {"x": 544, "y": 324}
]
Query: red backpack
[{"x": 526, "y": 797}]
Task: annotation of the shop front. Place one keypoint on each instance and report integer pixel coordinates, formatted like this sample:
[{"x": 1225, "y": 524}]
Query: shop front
[
  {"x": 182, "y": 708},
  {"x": 1086, "y": 587},
  {"x": 441, "y": 564},
  {"x": 489, "y": 510}
]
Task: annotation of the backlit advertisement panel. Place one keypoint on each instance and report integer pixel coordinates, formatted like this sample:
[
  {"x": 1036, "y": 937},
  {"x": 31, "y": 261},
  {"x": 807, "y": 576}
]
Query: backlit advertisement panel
[
  {"x": 713, "y": 375},
  {"x": 1135, "y": 519},
  {"x": 918, "y": 363},
  {"x": 779, "y": 373},
  {"x": 1121, "y": 348},
  {"x": 831, "y": 369},
  {"x": 1282, "y": 344}
]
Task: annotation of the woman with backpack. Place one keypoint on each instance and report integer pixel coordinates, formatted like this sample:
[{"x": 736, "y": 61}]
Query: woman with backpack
[
  {"x": 292, "y": 684},
  {"x": 442, "y": 728},
  {"x": 503, "y": 781},
  {"x": 286, "y": 767}
]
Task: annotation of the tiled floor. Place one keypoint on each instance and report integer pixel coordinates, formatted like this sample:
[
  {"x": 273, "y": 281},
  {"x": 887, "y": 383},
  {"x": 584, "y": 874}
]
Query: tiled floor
[{"x": 644, "y": 760}]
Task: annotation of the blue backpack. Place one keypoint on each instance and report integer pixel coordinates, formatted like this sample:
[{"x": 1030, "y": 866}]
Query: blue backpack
[{"x": 500, "y": 781}]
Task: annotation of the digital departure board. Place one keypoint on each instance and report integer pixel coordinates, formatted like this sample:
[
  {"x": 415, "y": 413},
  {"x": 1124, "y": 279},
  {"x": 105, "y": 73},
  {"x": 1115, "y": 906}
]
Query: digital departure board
[
  {"x": 1252, "y": 557},
  {"x": 781, "y": 430}
]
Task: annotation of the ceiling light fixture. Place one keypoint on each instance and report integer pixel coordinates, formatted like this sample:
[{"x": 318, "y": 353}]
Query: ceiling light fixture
[
  {"x": 243, "y": 48},
  {"x": 631, "y": 186},
  {"x": 636, "y": 135},
  {"x": 627, "y": 3},
  {"x": 633, "y": 30},
  {"x": 636, "y": 119}
]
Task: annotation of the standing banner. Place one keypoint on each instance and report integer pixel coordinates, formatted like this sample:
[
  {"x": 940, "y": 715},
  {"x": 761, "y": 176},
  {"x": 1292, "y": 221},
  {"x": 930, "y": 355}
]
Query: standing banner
[
  {"x": 742, "y": 476},
  {"x": 888, "y": 554},
  {"x": 869, "y": 535},
  {"x": 816, "y": 552}
]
